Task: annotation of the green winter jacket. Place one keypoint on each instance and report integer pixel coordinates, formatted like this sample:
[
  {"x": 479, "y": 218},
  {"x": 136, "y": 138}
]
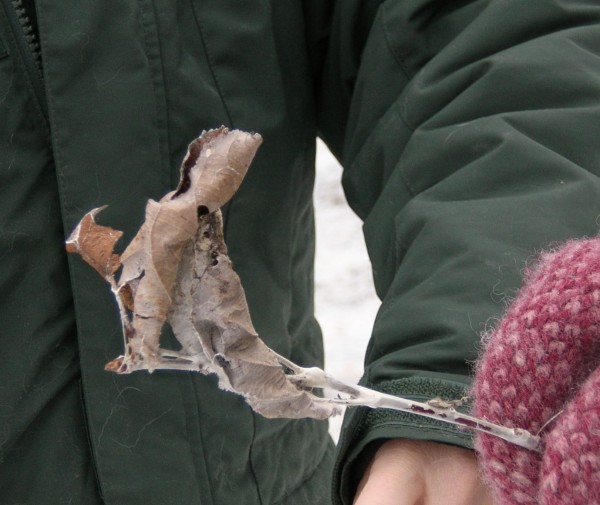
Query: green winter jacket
[{"x": 468, "y": 132}]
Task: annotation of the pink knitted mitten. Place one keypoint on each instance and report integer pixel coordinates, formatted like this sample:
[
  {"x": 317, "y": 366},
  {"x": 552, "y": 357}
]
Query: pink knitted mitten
[{"x": 539, "y": 372}]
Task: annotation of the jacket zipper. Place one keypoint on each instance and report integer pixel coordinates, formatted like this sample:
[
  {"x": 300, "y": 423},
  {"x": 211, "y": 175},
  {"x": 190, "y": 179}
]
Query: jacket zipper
[
  {"x": 30, "y": 35},
  {"x": 28, "y": 46}
]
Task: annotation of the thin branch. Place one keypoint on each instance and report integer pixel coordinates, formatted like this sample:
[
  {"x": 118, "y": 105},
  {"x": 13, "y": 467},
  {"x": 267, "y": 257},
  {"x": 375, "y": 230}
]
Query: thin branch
[{"x": 351, "y": 395}]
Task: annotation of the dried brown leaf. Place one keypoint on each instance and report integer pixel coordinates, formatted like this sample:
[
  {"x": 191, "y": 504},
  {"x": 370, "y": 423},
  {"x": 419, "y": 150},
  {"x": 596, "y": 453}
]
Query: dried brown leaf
[
  {"x": 216, "y": 164},
  {"x": 212, "y": 170},
  {"x": 176, "y": 269},
  {"x": 243, "y": 362},
  {"x": 95, "y": 244}
]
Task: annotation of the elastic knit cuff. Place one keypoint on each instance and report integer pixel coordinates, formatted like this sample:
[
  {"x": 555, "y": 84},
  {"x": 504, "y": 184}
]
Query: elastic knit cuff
[{"x": 365, "y": 429}]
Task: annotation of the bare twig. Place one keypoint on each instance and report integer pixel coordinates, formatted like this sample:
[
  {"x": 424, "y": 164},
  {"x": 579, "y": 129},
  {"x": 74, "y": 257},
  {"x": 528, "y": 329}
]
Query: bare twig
[{"x": 354, "y": 395}]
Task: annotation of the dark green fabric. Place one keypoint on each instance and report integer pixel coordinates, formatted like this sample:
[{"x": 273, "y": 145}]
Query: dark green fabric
[
  {"x": 127, "y": 86},
  {"x": 467, "y": 133},
  {"x": 3, "y": 49}
]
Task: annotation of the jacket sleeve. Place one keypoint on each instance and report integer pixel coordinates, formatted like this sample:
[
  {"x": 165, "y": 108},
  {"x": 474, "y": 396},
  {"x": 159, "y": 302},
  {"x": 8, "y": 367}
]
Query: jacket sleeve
[{"x": 468, "y": 133}]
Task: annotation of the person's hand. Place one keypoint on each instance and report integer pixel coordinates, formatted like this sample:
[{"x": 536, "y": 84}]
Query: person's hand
[{"x": 411, "y": 472}]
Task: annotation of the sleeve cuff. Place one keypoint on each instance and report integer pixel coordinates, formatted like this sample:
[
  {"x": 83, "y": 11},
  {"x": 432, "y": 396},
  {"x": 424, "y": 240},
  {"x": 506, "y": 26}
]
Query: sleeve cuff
[{"x": 365, "y": 429}]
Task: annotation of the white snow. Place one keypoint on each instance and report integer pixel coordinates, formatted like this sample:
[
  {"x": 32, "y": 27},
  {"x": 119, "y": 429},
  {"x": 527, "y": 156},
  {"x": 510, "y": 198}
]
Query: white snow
[{"x": 345, "y": 299}]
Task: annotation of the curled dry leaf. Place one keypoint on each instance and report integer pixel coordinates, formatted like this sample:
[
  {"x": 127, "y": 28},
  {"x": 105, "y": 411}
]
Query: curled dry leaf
[
  {"x": 215, "y": 166},
  {"x": 176, "y": 270},
  {"x": 95, "y": 244}
]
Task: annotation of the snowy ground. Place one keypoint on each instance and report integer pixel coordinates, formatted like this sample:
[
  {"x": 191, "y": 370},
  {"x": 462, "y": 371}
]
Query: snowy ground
[{"x": 345, "y": 300}]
